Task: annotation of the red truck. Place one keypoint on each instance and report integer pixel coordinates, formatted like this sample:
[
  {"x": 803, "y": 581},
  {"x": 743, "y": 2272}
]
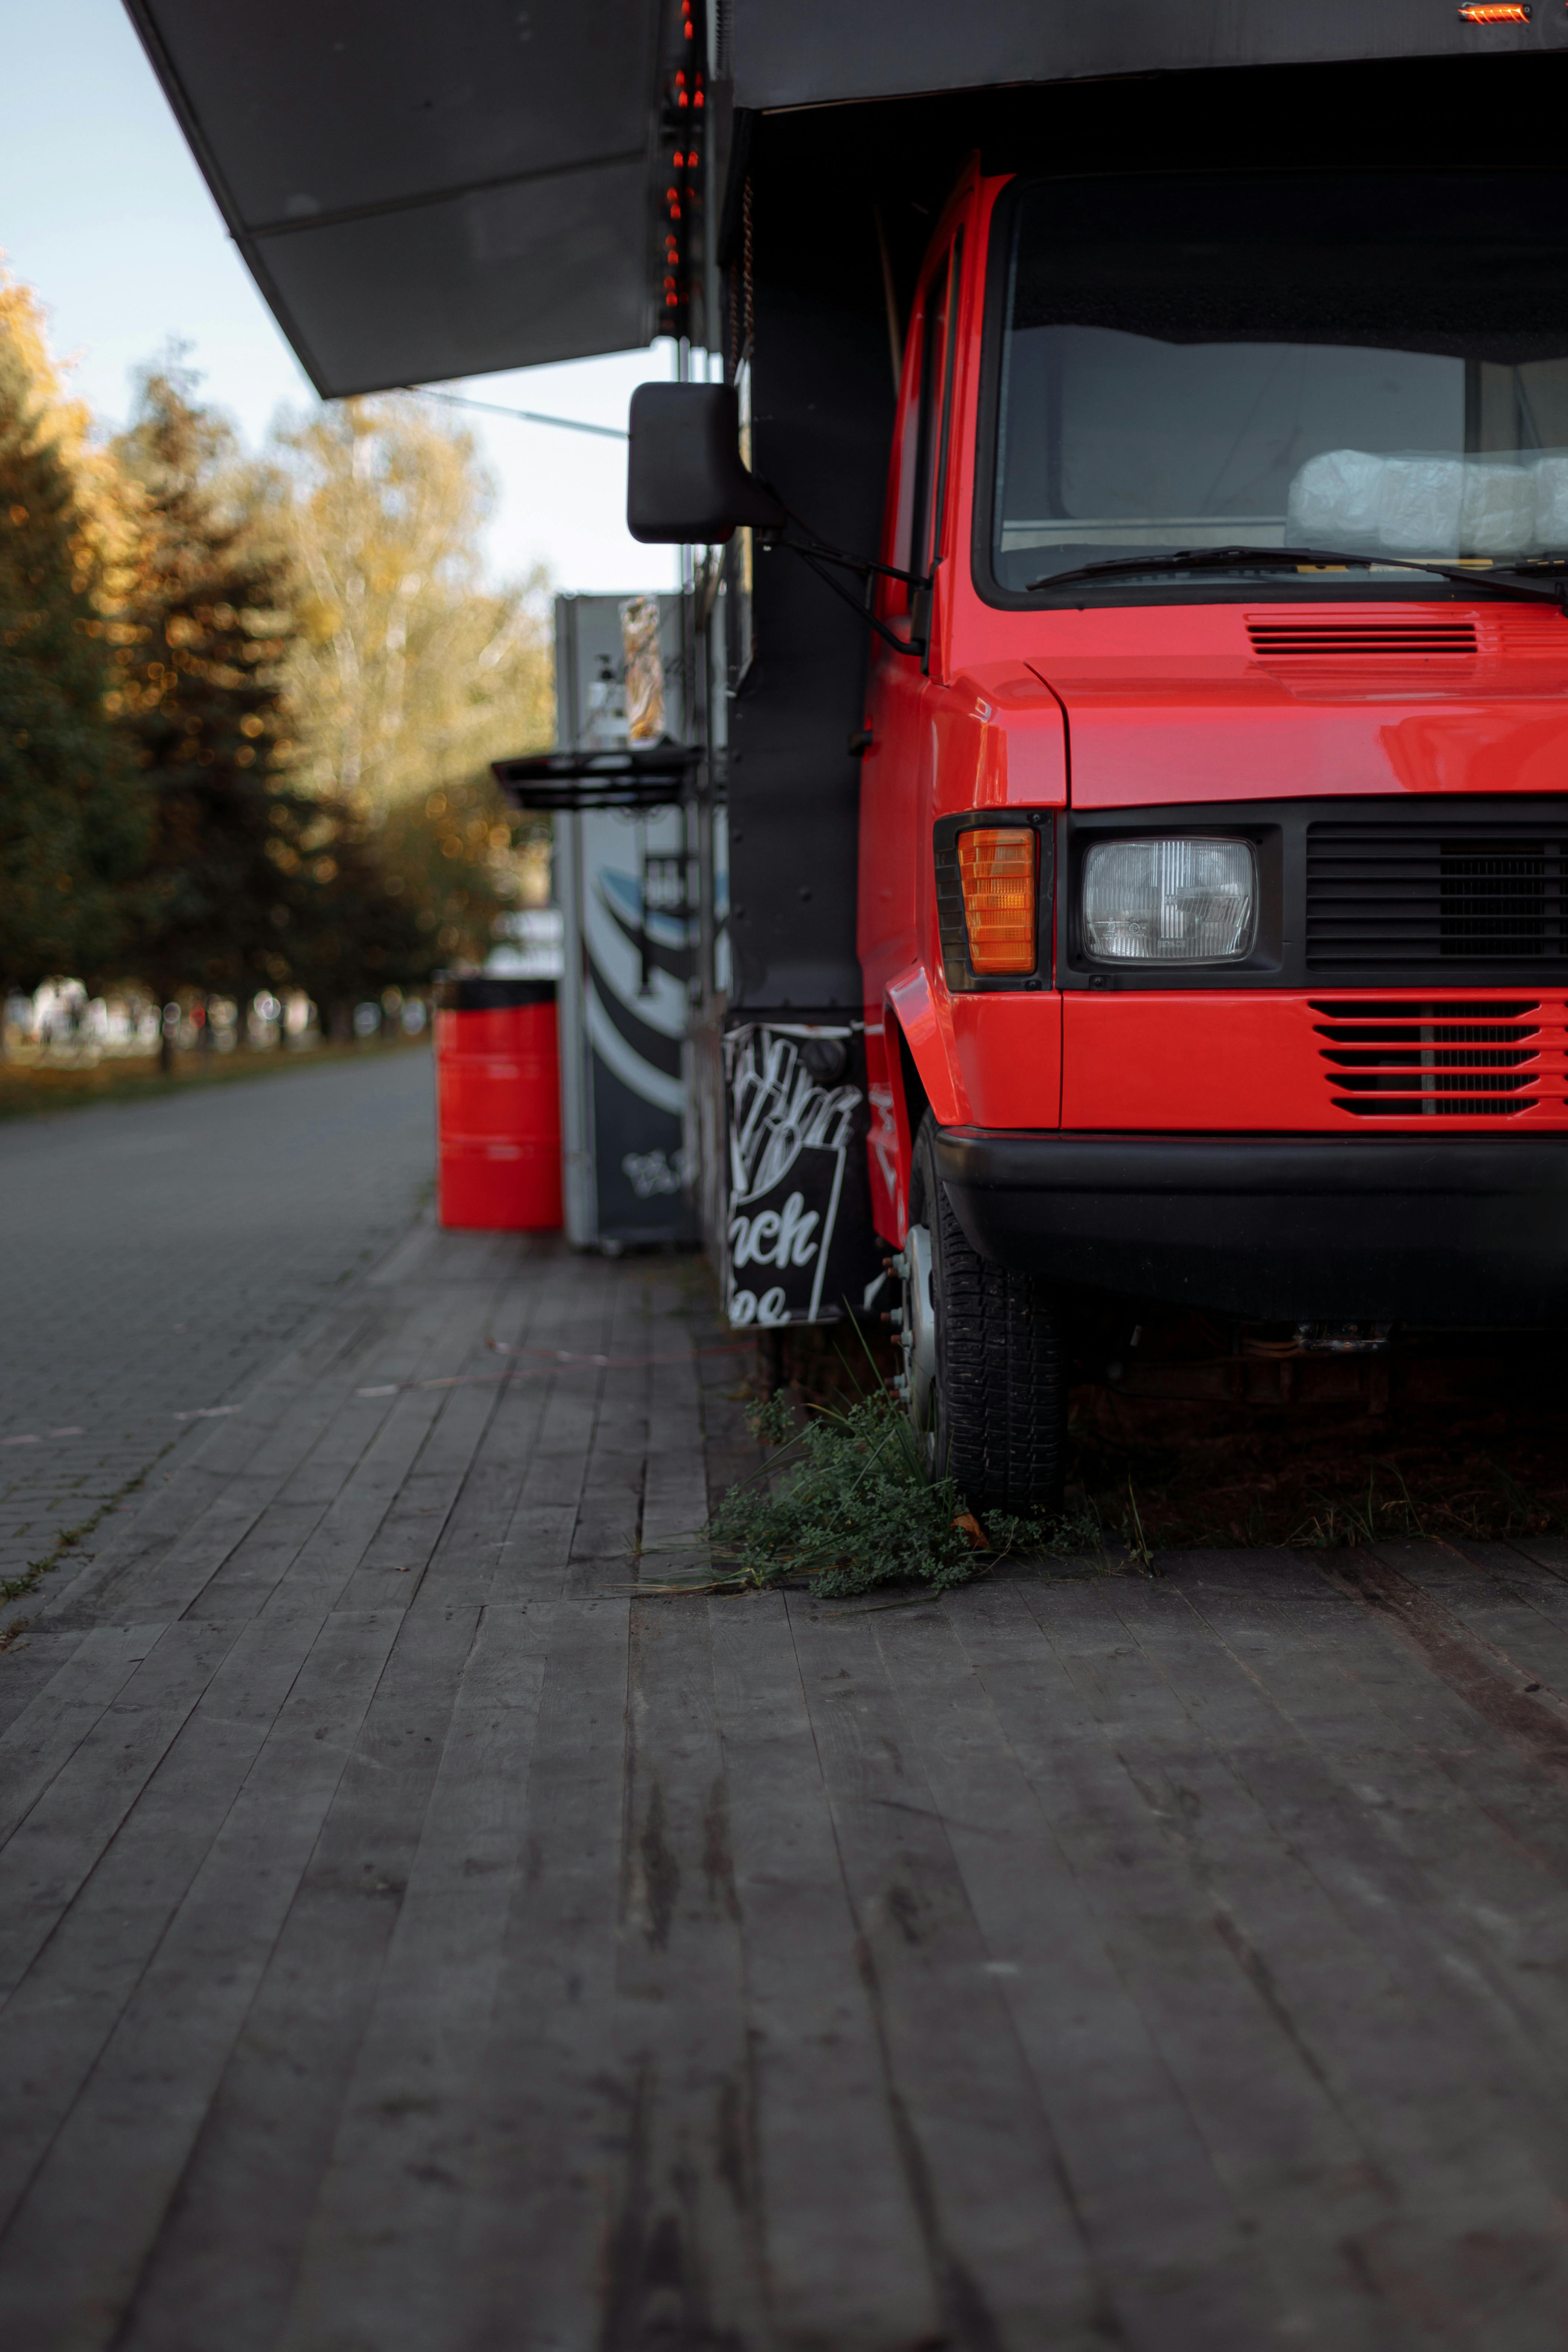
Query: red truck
[{"x": 1213, "y": 847}]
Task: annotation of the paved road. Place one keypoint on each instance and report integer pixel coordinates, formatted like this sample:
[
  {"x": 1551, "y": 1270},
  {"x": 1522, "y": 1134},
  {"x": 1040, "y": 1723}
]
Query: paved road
[{"x": 155, "y": 1257}]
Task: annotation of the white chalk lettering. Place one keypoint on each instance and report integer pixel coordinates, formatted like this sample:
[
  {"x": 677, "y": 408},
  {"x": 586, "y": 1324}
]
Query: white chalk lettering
[{"x": 776, "y": 1237}]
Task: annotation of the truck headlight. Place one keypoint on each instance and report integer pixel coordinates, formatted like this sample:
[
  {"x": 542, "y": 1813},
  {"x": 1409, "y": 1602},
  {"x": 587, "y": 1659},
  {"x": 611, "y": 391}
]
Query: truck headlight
[{"x": 1170, "y": 901}]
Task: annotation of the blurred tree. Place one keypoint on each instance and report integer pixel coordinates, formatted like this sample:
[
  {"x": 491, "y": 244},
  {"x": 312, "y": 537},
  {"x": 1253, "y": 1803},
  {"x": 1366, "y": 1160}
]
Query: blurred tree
[
  {"x": 72, "y": 815},
  {"x": 306, "y": 677},
  {"x": 202, "y": 640},
  {"x": 452, "y": 857},
  {"x": 409, "y": 673},
  {"x": 352, "y": 932}
]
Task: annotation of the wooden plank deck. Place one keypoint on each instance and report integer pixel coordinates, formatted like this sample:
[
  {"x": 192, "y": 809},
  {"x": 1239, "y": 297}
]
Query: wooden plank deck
[{"x": 412, "y": 1941}]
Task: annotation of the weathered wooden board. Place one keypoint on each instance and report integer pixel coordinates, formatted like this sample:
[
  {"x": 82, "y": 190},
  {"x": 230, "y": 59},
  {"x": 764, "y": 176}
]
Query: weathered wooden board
[
  {"x": 414, "y": 1940},
  {"x": 79, "y": 2237}
]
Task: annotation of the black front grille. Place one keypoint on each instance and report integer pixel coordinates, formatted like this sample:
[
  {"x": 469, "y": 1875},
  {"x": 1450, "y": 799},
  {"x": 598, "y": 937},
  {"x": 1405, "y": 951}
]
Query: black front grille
[{"x": 1402, "y": 896}]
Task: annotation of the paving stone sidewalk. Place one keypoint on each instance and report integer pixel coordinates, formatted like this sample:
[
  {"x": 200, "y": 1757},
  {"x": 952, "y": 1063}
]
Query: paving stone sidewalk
[{"x": 155, "y": 1257}]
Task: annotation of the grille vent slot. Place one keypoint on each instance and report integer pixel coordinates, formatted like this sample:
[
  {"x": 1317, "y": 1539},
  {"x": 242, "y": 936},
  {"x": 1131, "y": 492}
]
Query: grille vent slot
[
  {"x": 1438, "y": 1060},
  {"x": 1400, "y": 896},
  {"x": 1351, "y": 640}
]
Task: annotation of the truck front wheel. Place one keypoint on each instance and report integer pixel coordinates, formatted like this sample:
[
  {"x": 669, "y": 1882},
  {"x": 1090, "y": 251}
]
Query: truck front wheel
[{"x": 983, "y": 1355}]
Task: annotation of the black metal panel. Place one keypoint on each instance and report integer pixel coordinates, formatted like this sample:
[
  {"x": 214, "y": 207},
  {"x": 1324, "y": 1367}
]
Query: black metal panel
[
  {"x": 816, "y": 52},
  {"x": 1420, "y": 892},
  {"x": 822, "y": 404}
]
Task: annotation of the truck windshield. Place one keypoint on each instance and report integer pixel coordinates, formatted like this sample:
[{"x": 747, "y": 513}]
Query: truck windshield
[{"x": 1370, "y": 361}]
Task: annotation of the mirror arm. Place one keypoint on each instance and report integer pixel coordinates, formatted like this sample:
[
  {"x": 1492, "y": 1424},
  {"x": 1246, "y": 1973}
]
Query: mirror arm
[
  {"x": 815, "y": 552},
  {"x": 860, "y": 563},
  {"x": 828, "y": 553},
  {"x": 808, "y": 556}
]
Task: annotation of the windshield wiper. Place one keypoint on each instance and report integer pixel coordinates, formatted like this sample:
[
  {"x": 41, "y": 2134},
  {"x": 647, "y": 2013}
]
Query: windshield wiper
[{"x": 1541, "y": 578}]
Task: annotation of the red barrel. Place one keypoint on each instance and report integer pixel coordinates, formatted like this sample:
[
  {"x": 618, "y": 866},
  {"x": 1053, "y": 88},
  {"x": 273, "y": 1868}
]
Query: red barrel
[{"x": 498, "y": 1078}]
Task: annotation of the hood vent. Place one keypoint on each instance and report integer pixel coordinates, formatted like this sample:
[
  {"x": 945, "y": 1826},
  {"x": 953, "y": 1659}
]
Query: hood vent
[{"x": 1389, "y": 642}]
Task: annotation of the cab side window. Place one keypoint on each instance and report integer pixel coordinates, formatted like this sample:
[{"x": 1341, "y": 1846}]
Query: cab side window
[{"x": 900, "y": 552}]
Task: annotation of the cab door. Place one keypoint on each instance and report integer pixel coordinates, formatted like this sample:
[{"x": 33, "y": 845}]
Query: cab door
[
  {"x": 895, "y": 778},
  {"x": 895, "y": 913}
]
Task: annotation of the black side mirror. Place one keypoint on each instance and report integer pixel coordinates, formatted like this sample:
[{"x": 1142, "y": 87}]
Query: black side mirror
[{"x": 685, "y": 481}]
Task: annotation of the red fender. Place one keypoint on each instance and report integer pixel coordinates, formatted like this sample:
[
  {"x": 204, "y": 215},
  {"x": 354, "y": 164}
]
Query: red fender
[{"x": 910, "y": 1018}]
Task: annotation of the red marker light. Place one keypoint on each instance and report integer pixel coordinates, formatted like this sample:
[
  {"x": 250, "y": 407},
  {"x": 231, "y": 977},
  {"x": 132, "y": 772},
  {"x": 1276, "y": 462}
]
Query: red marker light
[{"x": 1496, "y": 12}]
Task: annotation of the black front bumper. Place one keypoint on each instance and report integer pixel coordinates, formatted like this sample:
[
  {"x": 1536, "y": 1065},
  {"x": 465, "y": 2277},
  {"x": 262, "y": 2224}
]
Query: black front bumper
[{"x": 1279, "y": 1228}]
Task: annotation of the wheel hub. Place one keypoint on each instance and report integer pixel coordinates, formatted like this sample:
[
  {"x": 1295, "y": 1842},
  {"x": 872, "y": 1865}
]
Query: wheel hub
[{"x": 917, "y": 1326}]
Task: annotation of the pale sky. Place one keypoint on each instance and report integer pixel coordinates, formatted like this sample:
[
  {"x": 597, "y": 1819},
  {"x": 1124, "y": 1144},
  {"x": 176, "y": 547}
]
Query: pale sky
[{"x": 103, "y": 213}]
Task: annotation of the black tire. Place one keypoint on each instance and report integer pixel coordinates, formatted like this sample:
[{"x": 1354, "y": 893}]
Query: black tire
[{"x": 999, "y": 1395}]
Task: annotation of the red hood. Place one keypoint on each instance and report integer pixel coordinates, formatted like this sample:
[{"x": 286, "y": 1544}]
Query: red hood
[{"x": 1215, "y": 702}]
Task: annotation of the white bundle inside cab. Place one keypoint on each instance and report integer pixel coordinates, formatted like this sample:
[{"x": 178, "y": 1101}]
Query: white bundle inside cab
[
  {"x": 1498, "y": 517},
  {"x": 1551, "y": 481},
  {"x": 1419, "y": 504},
  {"x": 1333, "y": 500}
]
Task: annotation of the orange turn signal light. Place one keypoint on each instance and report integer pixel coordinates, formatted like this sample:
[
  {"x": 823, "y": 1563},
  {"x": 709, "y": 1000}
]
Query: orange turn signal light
[
  {"x": 998, "y": 867},
  {"x": 1495, "y": 11}
]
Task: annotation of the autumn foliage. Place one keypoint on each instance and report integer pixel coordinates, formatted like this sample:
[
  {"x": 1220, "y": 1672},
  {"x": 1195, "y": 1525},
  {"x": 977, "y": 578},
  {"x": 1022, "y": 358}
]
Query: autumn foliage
[
  {"x": 73, "y": 824},
  {"x": 248, "y": 705}
]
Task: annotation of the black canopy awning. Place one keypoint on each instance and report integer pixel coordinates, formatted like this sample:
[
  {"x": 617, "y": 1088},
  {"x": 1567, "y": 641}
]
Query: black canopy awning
[{"x": 426, "y": 189}]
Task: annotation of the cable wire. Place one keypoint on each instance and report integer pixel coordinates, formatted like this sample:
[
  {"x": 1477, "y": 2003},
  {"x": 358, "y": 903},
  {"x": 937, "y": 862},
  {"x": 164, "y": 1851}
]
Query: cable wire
[{"x": 528, "y": 415}]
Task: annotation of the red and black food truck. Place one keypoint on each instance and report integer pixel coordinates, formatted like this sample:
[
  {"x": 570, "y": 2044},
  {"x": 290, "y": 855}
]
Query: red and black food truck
[{"x": 1124, "y": 454}]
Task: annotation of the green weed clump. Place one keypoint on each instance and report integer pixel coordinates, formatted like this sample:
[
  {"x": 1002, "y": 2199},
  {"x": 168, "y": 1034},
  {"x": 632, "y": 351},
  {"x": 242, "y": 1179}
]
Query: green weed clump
[{"x": 857, "y": 1508}]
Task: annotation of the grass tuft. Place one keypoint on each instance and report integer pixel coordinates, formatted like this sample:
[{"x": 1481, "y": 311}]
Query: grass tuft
[{"x": 857, "y": 1509}]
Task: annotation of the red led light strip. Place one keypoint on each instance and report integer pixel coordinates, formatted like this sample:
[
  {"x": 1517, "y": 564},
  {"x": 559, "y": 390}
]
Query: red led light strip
[
  {"x": 1496, "y": 12},
  {"x": 685, "y": 111}
]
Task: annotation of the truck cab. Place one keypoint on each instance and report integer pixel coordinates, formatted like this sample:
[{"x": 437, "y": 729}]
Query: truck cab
[
  {"x": 1212, "y": 850},
  {"x": 1210, "y": 815}
]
